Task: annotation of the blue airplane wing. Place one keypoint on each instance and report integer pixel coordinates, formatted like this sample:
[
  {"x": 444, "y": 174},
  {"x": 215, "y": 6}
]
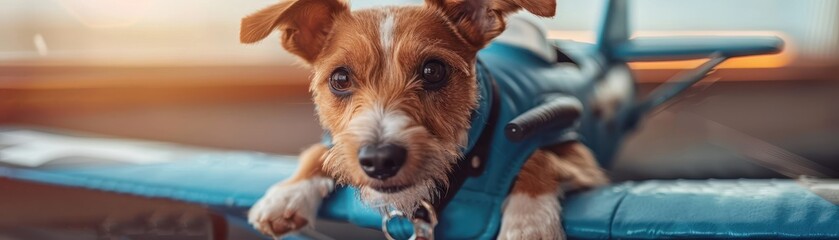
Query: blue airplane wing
[
  {"x": 231, "y": 183},
  {"x": 225, "y": 181},
  {"x": 683, "y": 48},
  {"x": 228, "y": 183}
]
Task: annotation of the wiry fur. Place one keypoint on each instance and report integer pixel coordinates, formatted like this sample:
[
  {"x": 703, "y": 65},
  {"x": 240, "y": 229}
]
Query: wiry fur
[
  {"x": 383, "y": 50},
  {"x": 432, "y": 123},
  {"x": 405, "y": 199},
  {"x": 531, "y": 217},
  {"x": 286, "y": 204}
]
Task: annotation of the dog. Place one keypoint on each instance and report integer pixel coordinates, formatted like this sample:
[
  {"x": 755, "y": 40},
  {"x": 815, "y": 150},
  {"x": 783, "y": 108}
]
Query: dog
[{"x": 395, "y": 88}]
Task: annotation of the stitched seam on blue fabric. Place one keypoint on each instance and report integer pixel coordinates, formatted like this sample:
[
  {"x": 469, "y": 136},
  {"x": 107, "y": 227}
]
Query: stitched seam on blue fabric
[
  {"x": 615, "y": 212},
  {"x": 157, "y": 189},
  {"x": 473, "y": 200},
  {"x": 109, "y": 185},
  {"x": 506, "y": 175},
  {"x": 706, "y": 235},
  {"x": 509, "y": 176},
  {"x": 488, "y": 200}
]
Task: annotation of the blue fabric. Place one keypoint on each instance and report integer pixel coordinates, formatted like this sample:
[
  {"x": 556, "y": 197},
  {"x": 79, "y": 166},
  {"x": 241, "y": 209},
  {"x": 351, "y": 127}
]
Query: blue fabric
[
  {"x": 699, "y": 209},
  {"x": 526, "y": 80},
  {"x": 702, "y": 209},
  {"x": 480, "y": 116}
]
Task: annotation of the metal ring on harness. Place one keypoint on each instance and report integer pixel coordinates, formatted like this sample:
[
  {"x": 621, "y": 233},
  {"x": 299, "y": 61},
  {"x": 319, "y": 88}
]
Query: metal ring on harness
[{"x": 423, "y": 230}]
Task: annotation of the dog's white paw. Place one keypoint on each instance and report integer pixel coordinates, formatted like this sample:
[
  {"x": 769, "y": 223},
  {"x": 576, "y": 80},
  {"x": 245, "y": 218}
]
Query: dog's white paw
[
  {"x": 289, "y": 207},
  {"x": 531, "y": 217}
]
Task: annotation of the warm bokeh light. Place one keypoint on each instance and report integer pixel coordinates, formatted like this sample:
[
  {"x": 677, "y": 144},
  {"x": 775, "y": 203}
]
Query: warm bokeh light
[{"x": 107, "y": 13}]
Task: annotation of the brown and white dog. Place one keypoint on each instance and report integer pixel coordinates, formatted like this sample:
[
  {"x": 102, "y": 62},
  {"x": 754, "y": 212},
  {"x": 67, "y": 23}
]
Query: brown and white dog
[{"x": 395, "y": 87}]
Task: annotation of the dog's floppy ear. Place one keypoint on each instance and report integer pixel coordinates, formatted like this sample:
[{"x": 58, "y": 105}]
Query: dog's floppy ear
[
  {"x": 304, "y": 25},
  {"x": 479, "y": 21}
]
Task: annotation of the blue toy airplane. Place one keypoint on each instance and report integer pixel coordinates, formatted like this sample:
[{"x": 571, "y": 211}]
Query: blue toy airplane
[{"x": 628, "y": 210}]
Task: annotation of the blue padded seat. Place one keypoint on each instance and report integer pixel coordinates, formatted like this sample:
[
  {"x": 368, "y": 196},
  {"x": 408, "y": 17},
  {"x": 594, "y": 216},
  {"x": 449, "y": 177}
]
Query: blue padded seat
[{"x": 701, "y": 209}]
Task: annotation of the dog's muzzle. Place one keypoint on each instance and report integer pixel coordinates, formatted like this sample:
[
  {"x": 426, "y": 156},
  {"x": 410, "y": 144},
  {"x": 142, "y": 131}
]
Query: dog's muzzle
[{"x": 382, "y": 162}]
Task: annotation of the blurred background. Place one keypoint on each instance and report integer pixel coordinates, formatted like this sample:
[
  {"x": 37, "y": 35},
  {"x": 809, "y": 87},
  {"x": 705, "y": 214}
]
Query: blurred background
[{"x": 174, "y": 72}]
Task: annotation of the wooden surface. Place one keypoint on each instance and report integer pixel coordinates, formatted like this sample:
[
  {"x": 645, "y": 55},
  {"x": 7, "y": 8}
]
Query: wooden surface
[
  {"x": 35, "y": 211},
  {"x": 45, "y": 212}
]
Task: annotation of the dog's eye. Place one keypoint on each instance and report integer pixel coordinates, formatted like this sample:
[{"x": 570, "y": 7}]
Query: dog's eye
[
  {"x": 339, "y": 81},
  {"x": 434, "y": 74}
]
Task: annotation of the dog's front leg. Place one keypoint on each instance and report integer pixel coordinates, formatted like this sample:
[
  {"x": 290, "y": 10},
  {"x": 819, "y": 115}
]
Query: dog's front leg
[
  {"x": 292, "y": 204},
  {"x": 532, "y": 209}
]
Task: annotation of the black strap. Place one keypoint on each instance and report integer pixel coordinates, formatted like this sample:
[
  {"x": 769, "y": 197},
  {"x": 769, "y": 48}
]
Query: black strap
[{"x": 464, "y": 167}]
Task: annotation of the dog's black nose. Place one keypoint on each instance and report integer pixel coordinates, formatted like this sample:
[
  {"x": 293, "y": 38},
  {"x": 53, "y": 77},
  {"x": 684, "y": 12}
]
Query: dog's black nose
[{"x": 382, "y": 162}]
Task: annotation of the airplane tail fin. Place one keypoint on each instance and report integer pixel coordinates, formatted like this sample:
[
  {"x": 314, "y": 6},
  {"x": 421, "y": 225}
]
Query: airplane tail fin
[
  {"x": 614, "y": 43},
  {"x": 614, "y": 29}
]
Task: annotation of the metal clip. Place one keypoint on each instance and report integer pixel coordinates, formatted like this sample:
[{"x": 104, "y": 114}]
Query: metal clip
[{"x": 423, "y": 228}]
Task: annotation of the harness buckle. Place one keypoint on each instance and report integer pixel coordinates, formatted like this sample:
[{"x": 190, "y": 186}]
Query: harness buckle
[{"x": 423, "y": 223}]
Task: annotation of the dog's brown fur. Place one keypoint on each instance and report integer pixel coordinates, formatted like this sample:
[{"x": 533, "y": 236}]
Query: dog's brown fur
[{"x": 383, "y": 69}]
